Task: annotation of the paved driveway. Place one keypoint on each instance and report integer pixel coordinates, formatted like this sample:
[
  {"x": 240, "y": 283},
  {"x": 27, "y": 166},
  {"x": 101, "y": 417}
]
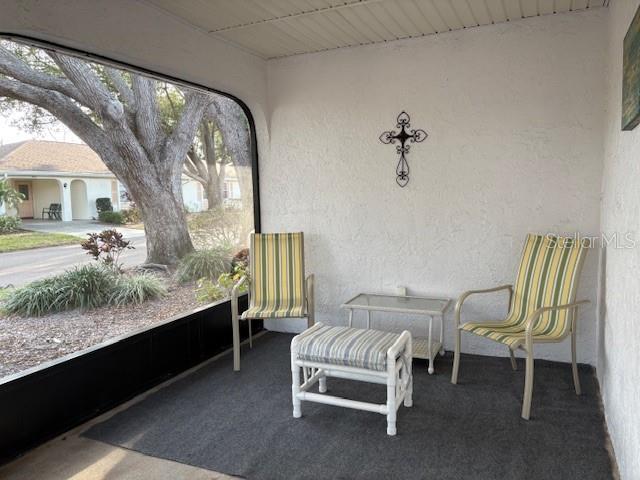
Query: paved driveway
[
  {"x": 79, "y": 228},
  {"x": 18, "y": 268}
]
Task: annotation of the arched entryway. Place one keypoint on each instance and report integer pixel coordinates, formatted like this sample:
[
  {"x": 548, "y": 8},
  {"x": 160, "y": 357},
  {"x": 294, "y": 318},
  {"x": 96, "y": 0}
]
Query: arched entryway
[{"x": 79, "y": 200}]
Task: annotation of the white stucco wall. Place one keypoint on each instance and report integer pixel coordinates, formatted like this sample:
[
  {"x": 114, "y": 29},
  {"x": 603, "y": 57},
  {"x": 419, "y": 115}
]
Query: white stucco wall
[
  {"x": 45, "y": 192},
  {"x": 97, "y": 188},
  {"x": 619, "y": 342},
  {"x": 191, "y": 195},
  {"x": 514, "y": 116}
]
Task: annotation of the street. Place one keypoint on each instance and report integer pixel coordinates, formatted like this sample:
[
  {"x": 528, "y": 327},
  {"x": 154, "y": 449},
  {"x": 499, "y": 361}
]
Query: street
[{"x": 24, "y": 266}]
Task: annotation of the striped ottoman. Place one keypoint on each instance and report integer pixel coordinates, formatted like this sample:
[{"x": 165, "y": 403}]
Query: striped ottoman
[{"x": 365, "y": 355}]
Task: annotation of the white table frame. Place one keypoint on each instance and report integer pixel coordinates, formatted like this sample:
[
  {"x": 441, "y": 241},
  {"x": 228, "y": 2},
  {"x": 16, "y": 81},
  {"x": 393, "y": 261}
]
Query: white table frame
[{"x": 423, "y": 347}]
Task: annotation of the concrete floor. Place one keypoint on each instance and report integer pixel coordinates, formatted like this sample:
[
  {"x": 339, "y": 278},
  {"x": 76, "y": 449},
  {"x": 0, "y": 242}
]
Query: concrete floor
[{"x": 71, "y": 456}]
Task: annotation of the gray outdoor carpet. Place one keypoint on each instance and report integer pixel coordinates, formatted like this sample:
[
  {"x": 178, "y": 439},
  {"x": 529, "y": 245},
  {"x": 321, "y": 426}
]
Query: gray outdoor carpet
[{"x": 241, "y": 424}]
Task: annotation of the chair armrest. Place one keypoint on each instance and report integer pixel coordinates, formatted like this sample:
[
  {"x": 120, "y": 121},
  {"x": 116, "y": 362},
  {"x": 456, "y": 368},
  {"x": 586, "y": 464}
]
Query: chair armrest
[
  {"x": 399, "y": 345},
  {"x": 236, "y": 287},
  {"x": 235, "y": 320},
  {"x": 235, "y": 293},
  {"x": 468, "y": 293},
  {"x": 534, "y": 316}
]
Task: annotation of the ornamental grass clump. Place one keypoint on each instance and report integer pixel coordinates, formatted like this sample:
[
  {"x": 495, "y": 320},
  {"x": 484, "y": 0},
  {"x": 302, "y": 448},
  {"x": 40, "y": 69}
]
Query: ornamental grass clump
[
  {"x": 207, "y": 263},
  {"x": 136, "y": 289},
  {"x": 84, "y": 287},
  {"x": 33, "y": 300}
]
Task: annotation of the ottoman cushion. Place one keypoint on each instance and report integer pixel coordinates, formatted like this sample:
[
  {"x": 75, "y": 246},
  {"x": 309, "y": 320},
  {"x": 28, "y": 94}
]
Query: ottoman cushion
[{"x": 352, "y": 347}]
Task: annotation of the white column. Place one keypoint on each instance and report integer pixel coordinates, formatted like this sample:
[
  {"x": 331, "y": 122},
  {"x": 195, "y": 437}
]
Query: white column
[
  {"x": 65, "y": 187},
  {"x": 2, "y": 209}
]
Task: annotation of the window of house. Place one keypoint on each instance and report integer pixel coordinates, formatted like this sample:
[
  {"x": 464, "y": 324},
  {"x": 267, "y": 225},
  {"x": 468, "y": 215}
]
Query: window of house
[{"x": 150, "y": 170}]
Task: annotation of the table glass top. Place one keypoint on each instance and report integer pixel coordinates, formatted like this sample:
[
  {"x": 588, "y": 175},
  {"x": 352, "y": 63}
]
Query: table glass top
[{"x": 397, "y": 303}]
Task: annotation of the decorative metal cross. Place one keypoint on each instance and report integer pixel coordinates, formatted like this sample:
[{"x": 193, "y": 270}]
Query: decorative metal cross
[{"x": 402, "y": 170}]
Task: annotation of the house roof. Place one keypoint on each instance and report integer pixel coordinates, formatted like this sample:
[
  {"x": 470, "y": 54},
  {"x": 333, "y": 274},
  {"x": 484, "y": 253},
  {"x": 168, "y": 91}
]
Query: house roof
[{"x": 48, "y": 156}]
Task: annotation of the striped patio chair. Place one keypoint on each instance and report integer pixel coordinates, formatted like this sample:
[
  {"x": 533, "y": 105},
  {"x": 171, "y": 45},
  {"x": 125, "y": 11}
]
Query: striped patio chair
[
  {"x": 543, "y": 307},
  {"x": 277, "y": 284}
]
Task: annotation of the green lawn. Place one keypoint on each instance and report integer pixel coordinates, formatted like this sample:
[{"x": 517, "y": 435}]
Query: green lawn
[{"x": 26, "y": 240}]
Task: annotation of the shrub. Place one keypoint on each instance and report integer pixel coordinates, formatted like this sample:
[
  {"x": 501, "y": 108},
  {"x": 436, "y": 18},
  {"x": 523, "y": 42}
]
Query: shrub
[
  {"x": 117, "y": 218},
  {"x": 209, "y": 263},
  {"x": 209, "y": 291},
  {"x": 219, "y": 226},
  {"x": 106, "y": 246},
  {"x": 34, "y": 299},
  {"x": 9, "y": 196},
  {"x": 131, "y": 214},
  {"x": 103, "y": 204},
  {"x": 87, "y": 286},
  {"x": 136, "y": 289},
  {"x": 9, "y": 224}
]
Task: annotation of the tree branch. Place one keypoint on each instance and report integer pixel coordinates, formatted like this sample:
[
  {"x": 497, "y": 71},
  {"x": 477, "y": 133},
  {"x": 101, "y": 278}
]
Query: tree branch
[
  {"x": 121, "y": 86},
  {"x": 147, "y": 115},
  {"x": 184, "y": 131},
  {"x": 98, "y": 97},
  {"x": 65, "y": 110},
  {"x": 233, "y": 127},
  {"x": 13, "y": 67}
]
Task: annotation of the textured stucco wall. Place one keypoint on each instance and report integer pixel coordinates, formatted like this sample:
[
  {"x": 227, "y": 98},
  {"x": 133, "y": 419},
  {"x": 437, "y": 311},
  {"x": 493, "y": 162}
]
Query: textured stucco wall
[
  {"x": 514, "y": 116},
  {"x": 45, "y": 192},
  {"x": 96, "y": 188},
  {"x": 619, "y": 341}
]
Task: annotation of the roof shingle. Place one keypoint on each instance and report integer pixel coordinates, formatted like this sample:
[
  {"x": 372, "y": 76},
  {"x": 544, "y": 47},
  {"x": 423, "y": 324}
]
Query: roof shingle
[{"x": 48, "y": 156}]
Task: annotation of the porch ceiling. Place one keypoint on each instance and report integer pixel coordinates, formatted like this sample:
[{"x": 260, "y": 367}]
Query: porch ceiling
[{"x": 280, "y": 28}]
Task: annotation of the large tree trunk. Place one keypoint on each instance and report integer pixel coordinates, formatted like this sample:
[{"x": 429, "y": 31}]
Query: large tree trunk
[
  {"x": 214, "y": 197},
  {"x": 236, "y": 134},
  {"x": 165, "y": 226}
]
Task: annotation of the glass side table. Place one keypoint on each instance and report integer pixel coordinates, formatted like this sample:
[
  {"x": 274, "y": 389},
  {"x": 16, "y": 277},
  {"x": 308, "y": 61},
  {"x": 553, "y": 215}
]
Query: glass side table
[{"x": 423, "y": 347}]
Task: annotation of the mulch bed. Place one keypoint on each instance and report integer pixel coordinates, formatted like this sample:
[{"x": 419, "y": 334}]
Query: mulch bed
[{"x": 27, "y": 342}]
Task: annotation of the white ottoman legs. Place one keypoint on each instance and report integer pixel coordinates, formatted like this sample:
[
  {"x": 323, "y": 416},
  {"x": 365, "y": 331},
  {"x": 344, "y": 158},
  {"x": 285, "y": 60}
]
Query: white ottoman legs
[{"x": 397, "y": 377}]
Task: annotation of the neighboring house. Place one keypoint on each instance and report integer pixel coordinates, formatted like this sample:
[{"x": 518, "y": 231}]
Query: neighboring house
[{"x": 73, "y": 175}]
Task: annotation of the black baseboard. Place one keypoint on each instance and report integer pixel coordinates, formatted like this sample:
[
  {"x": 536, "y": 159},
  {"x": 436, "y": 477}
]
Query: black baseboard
[{"x": 44, "y": 402}]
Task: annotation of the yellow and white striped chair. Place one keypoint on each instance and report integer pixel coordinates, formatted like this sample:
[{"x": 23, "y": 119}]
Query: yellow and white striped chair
[
  {"x": 543, "y": 307},
  {"x": 278, "y": 287}
]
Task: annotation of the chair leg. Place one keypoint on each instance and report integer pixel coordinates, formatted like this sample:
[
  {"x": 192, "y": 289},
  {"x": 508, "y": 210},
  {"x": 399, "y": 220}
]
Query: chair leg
[
  {"x": 574, "y": 365},
  {"x": 250, "y": 334},
  {"x": 528, "y": 386},
  {"x": 391, "y": 405},
  {"x": 235, "y": 325},
  {"x": 322, "y": 384},
  {"x": 514, "y": 365},
  {"x": 295, "y": 387},
  {"x": 456, "y": 359}
]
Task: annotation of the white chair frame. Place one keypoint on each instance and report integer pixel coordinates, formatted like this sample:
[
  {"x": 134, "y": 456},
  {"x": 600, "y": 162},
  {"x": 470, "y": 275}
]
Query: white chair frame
[{"x": 397, "y": 377}]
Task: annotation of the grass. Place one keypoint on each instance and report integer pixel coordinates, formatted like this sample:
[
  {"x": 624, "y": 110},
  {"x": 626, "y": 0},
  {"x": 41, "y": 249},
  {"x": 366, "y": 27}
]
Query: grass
[
  {"x": 207, "y": 263},
  {"x": 12, "y": 242}
]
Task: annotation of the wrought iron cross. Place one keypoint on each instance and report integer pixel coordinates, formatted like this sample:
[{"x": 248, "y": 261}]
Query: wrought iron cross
[{"x": 402, "y": 170}]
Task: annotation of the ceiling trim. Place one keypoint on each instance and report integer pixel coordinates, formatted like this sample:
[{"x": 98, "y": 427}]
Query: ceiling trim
[
  {"x": 347, "y": 5},
  {"x": 332, "y": 8}
]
